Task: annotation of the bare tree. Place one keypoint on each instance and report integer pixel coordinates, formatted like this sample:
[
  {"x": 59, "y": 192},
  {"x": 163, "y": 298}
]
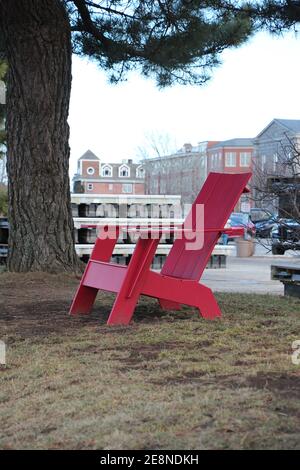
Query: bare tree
[
  {"x": 276, "y": 186},
  {"x": 276, "y": 183},
  {"x": 156, "y": 145}
]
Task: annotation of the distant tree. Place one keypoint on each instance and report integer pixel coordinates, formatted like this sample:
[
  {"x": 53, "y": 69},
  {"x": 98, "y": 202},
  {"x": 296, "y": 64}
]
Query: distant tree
[
  {"x": 176, "y": 41},
  {"x": 276, "y": 186},
  {"x": 156, "y": 145},
  {"x": 78, "y": 187}
]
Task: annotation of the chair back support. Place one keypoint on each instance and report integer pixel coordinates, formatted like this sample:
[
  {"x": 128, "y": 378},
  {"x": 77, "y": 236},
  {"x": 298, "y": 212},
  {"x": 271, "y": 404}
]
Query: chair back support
[{"x": 219, "y": 195}]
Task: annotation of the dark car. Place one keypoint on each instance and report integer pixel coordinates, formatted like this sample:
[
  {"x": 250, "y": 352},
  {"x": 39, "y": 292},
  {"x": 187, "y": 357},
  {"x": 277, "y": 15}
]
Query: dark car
[
  {"x": 285, "y": 236},
  {"x": 264, "y": 221}
]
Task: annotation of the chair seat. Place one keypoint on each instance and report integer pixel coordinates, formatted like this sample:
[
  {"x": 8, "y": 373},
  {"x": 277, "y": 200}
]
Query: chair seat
[{"x": 106, "y": 276}]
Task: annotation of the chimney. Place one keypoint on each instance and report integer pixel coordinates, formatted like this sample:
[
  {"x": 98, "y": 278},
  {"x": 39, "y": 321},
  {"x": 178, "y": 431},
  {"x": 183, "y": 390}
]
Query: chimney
[
  {"x": 130, "y": 162},
  {"x": 187, "y": 148}
]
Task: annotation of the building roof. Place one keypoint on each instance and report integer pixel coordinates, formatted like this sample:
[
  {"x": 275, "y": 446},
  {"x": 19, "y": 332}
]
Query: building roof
[
  {"x": 89, "y": 155},
  {"x": 115, "y": 172},
  {"x": 238, "y": 142},
  {"x": 291, "y": 125},
  {"x": 117, "y": 165}
]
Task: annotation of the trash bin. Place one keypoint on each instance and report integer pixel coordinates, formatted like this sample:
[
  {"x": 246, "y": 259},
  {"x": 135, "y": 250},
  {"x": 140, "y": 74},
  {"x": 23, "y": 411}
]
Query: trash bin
[{"x": 244, "y": 248}]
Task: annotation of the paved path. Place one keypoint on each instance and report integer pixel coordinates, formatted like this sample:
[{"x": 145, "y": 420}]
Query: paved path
[{"x": 249, "y": 275}]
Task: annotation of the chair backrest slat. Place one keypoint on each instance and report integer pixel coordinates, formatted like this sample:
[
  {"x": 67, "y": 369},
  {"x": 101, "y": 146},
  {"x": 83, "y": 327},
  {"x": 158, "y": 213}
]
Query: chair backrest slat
[{"x": 219, "y": 195}]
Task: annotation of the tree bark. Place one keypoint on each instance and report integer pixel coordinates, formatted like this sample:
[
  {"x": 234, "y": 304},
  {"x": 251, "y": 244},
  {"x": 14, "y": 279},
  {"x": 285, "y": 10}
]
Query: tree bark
[{"x": 37, "y": 40}]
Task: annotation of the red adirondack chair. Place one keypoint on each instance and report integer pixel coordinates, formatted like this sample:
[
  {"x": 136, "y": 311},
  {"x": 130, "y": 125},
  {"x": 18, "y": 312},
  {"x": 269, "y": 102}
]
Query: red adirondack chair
[{"x": 178, "y": 281}]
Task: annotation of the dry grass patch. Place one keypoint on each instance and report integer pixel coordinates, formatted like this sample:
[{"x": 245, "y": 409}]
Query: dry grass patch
[{"x": 166, "y": 381}]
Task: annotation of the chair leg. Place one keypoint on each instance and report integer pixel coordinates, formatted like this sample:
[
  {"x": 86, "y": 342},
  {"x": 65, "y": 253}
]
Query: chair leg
[
  {"x": 122, "y": 310},
  {"x": 84, "y": 300},
  {"x": 169, "y": 304},
  {"x": 200, "y": 297},
  {"x": 136, "y": 274},
  {"x": 207, "y": 304},
  {"x": 182, "y": 292},
  {"x": 85, "y": 296}
]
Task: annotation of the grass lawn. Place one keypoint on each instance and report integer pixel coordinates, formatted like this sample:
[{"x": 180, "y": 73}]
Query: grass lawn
[{"x": 167, "y": 381}]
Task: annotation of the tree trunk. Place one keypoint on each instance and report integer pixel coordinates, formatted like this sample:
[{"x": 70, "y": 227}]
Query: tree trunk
[{"x": 38, "y": 46}]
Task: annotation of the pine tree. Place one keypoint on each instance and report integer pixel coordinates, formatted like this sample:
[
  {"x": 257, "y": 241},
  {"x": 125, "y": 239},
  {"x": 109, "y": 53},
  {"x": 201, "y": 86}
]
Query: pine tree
[{"x": 175, "y": 41}]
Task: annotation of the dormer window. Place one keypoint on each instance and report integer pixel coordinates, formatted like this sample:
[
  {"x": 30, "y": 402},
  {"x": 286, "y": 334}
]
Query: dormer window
[
  {"x": 124, "y": 171},
  {"x": 106, "y": 171},
  {"x": 90, "y": 170},
  {"x": 140, "y": 172}
]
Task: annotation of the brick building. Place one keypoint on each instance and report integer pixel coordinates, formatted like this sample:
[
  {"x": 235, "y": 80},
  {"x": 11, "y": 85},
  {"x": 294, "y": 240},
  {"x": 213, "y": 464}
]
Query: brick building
[
  {"x": 183, "y": 172},
  {"x": 96, "y": 177},
  {"x": 233, "y": 156},
  {"x": 230, "y": 156}
]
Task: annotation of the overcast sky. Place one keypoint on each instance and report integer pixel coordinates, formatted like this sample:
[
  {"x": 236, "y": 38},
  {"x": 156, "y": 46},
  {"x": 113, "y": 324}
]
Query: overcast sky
[{"x": 256, "y": 83}]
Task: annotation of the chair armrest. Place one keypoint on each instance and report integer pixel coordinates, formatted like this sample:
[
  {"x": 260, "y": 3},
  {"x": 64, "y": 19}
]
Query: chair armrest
[{"x": 234, "y": 232}]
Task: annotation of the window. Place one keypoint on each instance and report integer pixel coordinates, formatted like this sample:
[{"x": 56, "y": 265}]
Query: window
[
  {"x": 245, "y": 159},
  {"x": 230, "y": 159},
  {"x": 202, "y": 147},
  {"x": 124, "y": 171},
  {"x": 163, "y": 186},
  {"x": 140, "y": 172},
  {"x": 106, "y": 170},
  {"x": 90, "y": 186},
  {"x": 127, "y": 188},
  {"x": 91, "y": 170}
]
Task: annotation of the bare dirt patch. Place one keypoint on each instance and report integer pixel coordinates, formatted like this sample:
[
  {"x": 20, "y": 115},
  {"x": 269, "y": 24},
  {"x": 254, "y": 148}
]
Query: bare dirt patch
[{"x": 288, "y": 384}]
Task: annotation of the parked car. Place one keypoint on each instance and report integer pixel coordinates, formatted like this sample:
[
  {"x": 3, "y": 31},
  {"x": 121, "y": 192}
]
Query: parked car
[
  {"x": 264, "y": 221},
  {"x": 240, "y": 219},
  {"x": 285, "y": 235}
]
